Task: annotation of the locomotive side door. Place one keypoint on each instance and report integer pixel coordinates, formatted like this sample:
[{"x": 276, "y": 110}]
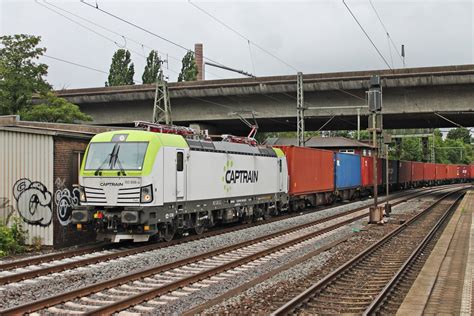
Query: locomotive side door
[
  {"x": 281, "y": 178},
  {"x": 180, "y": 169}
]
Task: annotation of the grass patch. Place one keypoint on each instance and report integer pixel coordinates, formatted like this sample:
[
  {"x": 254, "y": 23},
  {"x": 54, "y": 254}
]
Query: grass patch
[{"x": 12, "y": 238}]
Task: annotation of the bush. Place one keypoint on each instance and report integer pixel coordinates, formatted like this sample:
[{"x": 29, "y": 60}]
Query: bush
[{"x": 12, "y": 239}]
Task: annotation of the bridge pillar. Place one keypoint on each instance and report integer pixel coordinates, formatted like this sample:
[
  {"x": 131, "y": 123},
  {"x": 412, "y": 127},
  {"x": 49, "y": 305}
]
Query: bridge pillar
[{"x": 212, "y": 130}]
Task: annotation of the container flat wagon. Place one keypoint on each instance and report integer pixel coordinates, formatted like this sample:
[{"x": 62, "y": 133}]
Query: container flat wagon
[
  {"x": 464, "y": 172},
  {"x": 348, "y": 175},
  {"x": 429, "y": 173},
  {"x": 367, "y": 173},
  {"x": 392, "y": 172},
  {"x": 452, "y": 173},
  {"x": 441, "y": 173},
  {"x": 311, "y": 175},
  {"x": 405, "y": 174},
  {"x": 417, "y": 173}
]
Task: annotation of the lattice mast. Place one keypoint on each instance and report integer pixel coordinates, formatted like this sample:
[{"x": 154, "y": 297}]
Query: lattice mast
[
  {"x": 299, "y": 109},
  {"x": 162, "y": 105}
]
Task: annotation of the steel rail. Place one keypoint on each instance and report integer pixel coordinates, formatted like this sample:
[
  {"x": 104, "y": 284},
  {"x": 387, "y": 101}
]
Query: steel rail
[
  {"x": 374, "y": 307},
  {"x": 306, "y": 295},
  {"x": 57, "y": 299},
  {"x": 142, "y": 297},
  {"x": 128, "y": 252},
  {"x": 50, "y": 257}
]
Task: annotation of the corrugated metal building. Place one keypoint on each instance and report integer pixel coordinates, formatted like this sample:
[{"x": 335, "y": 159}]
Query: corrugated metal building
[
  {"x": 26, "y": 171},
  {"x": 39, "y": 165}
]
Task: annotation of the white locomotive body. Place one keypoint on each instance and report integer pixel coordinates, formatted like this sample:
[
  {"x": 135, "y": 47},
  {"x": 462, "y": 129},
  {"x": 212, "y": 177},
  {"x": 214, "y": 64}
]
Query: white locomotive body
[{"x": 138, "y": 184}]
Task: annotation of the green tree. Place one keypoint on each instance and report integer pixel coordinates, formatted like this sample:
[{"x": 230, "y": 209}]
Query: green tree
[
  {"x": 189, "y": 69},
  {"x": 55, "y": 110},
  {"x": 152, "y": 68},
  {"x": 411, "y": 149},
  {"x": 460, "y": 133},
  {"x": 20, "y": 75},
  {"x": 21, "y": 78},
  {"x": 121, "y": 69}
]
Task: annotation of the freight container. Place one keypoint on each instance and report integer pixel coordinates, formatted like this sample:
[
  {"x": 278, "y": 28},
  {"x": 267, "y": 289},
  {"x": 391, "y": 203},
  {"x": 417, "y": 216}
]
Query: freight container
[
  {"x": 429, "y": 172},
  {"x": 416, "y": 171},
  {"x": 441, "y": 172},
  {"x": 452, "y": 172},
  {"x": 404, "y": 173},
  {"x": 464, "y": 172},
  {"x": 310, "y": 170},
  {"x": 392, "y": 171},
  {"x": 367, "y": 171},
  {"x": 348, "y": 174},
  {"x": 471, "y": 172}
]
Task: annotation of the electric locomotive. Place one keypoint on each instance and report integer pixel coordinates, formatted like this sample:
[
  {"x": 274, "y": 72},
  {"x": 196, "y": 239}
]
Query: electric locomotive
[{"x": 135, "y": 185}]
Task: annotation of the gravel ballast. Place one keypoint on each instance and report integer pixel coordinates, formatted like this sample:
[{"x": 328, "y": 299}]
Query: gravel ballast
[{"x": 22, "y": 292}]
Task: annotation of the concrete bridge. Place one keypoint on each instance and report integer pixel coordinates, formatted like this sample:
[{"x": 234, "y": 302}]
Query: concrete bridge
[{"x": 412, "y": 97}]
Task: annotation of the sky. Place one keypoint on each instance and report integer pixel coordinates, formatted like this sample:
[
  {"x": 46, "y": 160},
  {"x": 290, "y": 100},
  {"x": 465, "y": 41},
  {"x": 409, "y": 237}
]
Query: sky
[{"x": 315, "y": 36}]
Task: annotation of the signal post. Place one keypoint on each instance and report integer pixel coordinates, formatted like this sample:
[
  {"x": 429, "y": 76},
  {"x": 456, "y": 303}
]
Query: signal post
[{"x": 375, "y": 127}]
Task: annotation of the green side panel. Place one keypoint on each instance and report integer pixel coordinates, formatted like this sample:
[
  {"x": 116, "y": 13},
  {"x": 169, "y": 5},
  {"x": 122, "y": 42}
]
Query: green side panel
[
  {"x": 279, "y": 152},
  {"x": 155, "y": 142}
]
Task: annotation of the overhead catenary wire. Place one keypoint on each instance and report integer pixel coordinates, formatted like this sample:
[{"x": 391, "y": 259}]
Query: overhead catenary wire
[
  {"x": 110, "y": 30},
  {"x": 142, "y": 45},
  {"x": 75, "y": 64},
  {"x": 386, "y": 31},
  {"x": 366, "y": 34},
  {"x": 145, "y": 30},
  {"x": 242, "y": 36},
  {"x": 80, "y": 24},
  {"x": 104, "y": 36}
]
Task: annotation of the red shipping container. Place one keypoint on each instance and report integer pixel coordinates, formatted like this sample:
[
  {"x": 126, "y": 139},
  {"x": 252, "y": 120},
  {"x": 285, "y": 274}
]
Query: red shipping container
[
  {"x": 310, "y": 170},
  {"x": 471, "y": 172},
  {"x": 452, "y": 171},
  {"x": 441, "y": 171},
  {"x": 367, "y": 171},
  {"x": 429, "y": 171},
  {"x": 404, "y": 172},
  {"x": 464, "y": 171},
  {"x": 416, "y": 171}
]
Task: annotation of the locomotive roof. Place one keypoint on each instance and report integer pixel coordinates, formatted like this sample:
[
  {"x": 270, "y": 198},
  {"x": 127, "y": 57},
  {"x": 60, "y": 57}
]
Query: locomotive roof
[{"x": 229, "y": 147}]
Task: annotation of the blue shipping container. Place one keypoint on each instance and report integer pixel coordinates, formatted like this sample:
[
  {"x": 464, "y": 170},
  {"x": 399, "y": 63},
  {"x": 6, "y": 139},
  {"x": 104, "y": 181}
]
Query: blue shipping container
[{"x": 347, "y": 168}]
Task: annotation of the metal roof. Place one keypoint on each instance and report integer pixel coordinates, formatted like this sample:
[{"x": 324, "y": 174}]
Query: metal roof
[
  {"x": 14, "y": 124},
  {"x": 319, "y": 142}
]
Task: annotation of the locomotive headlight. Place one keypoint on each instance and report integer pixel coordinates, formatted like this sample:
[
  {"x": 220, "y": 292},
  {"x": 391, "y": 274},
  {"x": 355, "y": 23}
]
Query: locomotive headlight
[
  {"x": 82, "y": 194},
  {"x": 146, "y": 195}
]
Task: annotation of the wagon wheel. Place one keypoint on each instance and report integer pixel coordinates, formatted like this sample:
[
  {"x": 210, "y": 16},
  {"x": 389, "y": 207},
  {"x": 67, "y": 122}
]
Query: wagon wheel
[
  {"x": 199, "y": 229},
  {"x": 266, "y": 213},
  {"x": 169, "y": 232}
]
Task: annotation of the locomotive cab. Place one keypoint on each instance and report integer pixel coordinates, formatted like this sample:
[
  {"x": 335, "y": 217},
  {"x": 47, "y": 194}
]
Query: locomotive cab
[{"x": 122, "y": 181}]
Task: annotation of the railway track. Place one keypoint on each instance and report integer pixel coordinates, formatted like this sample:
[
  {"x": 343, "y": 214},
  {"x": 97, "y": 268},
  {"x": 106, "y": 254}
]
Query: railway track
[
  {"x": 148, "y": 288},
  {"x": 24, "y": 269},
  {"x": 367, "y": 283}
]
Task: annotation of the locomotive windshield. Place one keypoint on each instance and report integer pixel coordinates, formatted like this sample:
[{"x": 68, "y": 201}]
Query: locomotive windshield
[{"x": 116, "y": 156}]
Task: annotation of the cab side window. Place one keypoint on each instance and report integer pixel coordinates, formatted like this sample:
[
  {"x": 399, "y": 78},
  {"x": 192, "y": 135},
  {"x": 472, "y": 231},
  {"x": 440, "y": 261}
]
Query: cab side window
[{"x": 179, "y": 161}]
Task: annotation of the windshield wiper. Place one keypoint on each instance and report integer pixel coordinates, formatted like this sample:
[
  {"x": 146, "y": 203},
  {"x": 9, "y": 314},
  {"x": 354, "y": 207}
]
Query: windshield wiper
[
  {"x": 117, "y": 160},
  {"x": 108, "y": 158},
  {"x": 99, "y": 169}
]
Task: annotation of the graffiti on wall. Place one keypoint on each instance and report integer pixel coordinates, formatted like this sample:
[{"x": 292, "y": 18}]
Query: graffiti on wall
[
  {"x": 33, "y": 201},
  {"x": 65, "y": 200}
]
